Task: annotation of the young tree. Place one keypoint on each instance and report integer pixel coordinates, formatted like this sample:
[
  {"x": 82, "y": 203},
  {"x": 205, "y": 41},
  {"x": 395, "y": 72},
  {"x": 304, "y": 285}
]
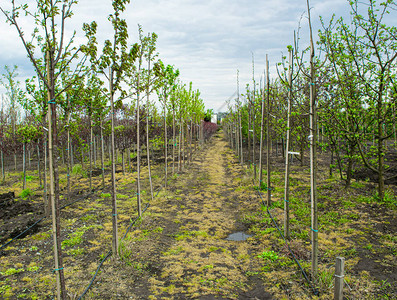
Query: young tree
[
  {"x": 368, "y": 48},
  {"x": 49, "y": 36},
  {"x": 116, "y": 58},
  {"x": 167, "y": 80},
  {"x": 14, "y": 95}
]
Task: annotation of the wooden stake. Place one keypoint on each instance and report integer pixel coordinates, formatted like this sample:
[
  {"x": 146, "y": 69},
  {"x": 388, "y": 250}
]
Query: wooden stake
[{"x": 339, "y": 278}]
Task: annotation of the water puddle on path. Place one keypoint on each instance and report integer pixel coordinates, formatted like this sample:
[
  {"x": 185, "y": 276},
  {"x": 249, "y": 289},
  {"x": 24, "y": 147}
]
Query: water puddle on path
[{"x": 238, "y": 236}]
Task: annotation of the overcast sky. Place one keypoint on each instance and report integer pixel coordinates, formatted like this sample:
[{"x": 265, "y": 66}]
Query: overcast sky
[{"x": 208, "y": 40}]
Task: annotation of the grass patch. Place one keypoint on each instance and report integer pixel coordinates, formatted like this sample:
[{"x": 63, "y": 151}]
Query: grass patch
[
  {"x": 186, "y": 234},
  {"x": 25, "y": 193},
  {"x": 269, "y": 255},
  {"x": 78, "y": 170}
]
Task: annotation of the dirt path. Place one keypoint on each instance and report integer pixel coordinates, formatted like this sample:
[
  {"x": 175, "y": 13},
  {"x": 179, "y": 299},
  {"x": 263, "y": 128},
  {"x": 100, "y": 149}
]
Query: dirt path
[{"x": 180, "y": 250}]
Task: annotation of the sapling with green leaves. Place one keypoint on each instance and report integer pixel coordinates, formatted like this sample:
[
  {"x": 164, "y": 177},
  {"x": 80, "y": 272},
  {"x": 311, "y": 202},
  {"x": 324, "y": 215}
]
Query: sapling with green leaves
[
  {"x": 56, "y": 55},
  {"x": 27, "y": 134},
  {"x": 14, "y": 95},
  {"x": 115, "y": 59},
  {"x": 167, "y": 83},
  {"x": 363, "y": 55}
]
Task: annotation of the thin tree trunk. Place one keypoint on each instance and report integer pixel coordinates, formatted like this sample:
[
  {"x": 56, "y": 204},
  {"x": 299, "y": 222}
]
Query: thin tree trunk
[
  {"x": 122, "y": 162},
  {"x": 115, "y": 237},
  {"x": 147, "y": 129},
  {"x": 82, "y": 157},
  {"x": 253, "y": 118},
  {"x": 54, "y": 184},
  {"x": 71, "y": 155},
  {"x": 129, "y": 159},
  {"x": 38, "y": 164},
  {"x": 95, "y": 151},
  {"x": 287, "y": 150},
  {"x": 46, "y": 202},
  {"x": 2, "y": 166},
  {"x": 91, "y": 145},
  {"x": 261, "y": 141},
  {"x": 268, "y": 142},
  {"x": 313, "y": 156},
  {"x": 249, "y": 132},
  {"x": 68, "y": 169},
  {"x": 190, "y": 140},
  {"x": 165, "y": 141},
  {"x": 24, "y": 165},
  {"x": 174, "y": 142},
  {"x": 183, "y": 142},
  {"x": 138, "y": 148},
  {"x": 102, "y": 154},
  {"x": 179, "y": 146}
]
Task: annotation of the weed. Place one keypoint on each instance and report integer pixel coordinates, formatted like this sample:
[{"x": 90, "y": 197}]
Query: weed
[
  {"x": 262, "y": 187},
  {"x": 11, "y": 271},
  {"x": 4, "y": 289},
  {"x": 173, "y": 251},
  {"x": 25, "y": 193},
  {"x": 389, "y": 199},
  {"x": 75, "y": 238},
  {"x": 76, "y": 252},
  {"x": 249, "y": 273},
  {"x": 42, "y": 235},
  {"x": 208, "y": 267},
  {"x": 357, "y": 184},
  {"x": 325, "y": 278},
  {"x": 139, "y": 266},
  {"x": 269, "y": 255},
  {"x": 212, "y": 249},
  {"x": 106, "y": 195},
  {"x": 22, "y": 296},
  {"x": 33, "y": 248},
  {"x": 186, "y": 234},
  {"x": 33, "y": 268},
  {"x": 125, "y": 253},
  {"x": 348, "y": 204},
  {"x": 89, "y": 217},
  {"x": 267, "y": 230},
  {"x": 78, "y": 170},
  {"x": 350, "y": 252}
]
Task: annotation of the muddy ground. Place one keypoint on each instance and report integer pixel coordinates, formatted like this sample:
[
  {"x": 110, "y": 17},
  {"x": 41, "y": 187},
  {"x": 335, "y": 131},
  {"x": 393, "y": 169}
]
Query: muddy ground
[{"x": 180, "y": 248}]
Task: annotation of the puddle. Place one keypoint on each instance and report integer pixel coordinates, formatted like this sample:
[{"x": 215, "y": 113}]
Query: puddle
[{"x": 238, "y": 236}]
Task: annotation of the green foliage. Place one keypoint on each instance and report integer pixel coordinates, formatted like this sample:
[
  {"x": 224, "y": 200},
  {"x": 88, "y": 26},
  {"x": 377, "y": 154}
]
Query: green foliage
[
  {"x": 33, "y": 268},
  {"x": 76, "y": 238},
  {"x": 11, "y": 271},
  {"x": 29, "y": 133},
  {"x": 325, "y": 279},
  {"x": 269, "y": 255},
  {"x": 389, "y": 199},
  {"x": 76, "y": 252},
  {"x": 25, "y": 193},
  {"x": 186, "y": 234},
  {"x": 78, "y": 170}
]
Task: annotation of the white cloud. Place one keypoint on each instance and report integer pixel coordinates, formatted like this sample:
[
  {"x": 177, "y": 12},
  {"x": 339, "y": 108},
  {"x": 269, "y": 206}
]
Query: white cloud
[{"x": 208, "y": 40}]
